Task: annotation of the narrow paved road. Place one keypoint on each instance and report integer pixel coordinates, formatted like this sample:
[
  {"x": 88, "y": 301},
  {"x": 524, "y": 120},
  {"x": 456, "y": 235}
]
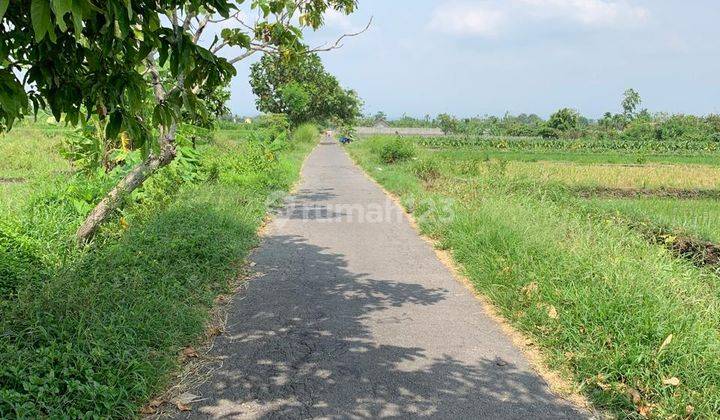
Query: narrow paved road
[{"x": 353, "y": 316}]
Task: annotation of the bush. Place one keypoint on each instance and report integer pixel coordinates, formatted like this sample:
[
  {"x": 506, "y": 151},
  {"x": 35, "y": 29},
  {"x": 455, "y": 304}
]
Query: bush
[
  {"x": 640, "y": 130},
  {"x": 564, "y": 119},
  {"x": 396, "y": 149},
  {"x": 426, "y": 168},
  {"x": 548, "y": 132},
  {"x": 685, "y": 128},
  {"x": 100, "y": 330},
  {"x": 305, "y": 133}
]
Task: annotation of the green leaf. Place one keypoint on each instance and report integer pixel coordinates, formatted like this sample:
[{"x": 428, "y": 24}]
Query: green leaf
[
  {"x": 113, "y": 127},
  {"x": 3, "y": 7},
  {"x": 41, "y": 18},
  {"x": 61, "y": 7}
]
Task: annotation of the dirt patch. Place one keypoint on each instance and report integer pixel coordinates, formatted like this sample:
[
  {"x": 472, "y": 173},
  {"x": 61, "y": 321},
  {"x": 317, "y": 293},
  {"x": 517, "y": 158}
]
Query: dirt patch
[
  {"x": 702, "y": 253},
  {"x": 12, "y": 180},
  {"x": 606, "y": 192}
]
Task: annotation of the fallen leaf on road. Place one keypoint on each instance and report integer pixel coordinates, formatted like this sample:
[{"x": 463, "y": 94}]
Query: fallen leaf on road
[
  {"x": 183, "y": 407},
  {"x": 671, "y": 381},
  {"x": 689, "y": 410},
  {"x": 214, "y": 331},
  {"x": 148, "y": 409},
  {"x": 186, "y": 398}
]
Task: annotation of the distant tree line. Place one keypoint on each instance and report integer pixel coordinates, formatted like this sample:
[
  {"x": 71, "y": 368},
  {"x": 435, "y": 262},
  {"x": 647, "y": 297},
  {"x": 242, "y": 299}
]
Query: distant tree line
[{"x": 632, "y": 122}]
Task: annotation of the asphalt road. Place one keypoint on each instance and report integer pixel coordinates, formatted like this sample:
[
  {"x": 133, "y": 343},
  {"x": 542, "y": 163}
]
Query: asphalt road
[{"x": 353, "y": 316}]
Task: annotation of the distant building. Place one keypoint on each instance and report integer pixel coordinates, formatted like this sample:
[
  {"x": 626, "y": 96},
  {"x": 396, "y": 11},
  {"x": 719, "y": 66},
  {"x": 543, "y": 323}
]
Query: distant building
[
  {"x": 248, "y": 121},
  {"x": 381, "y": 124}
]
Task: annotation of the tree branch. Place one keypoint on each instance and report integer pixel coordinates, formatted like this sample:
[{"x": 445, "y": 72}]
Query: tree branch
[
  {"x": 241, "y": 57},
  {"x": 158, "y": 87},
  {"x": 198, "y": 32},
  {"x": 338, "y": 42}
]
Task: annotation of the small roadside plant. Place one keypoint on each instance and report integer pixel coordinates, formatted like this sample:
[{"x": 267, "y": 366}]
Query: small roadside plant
[
  {"x": 396, "y": 149},
  {"x": 427, "y": 168}
]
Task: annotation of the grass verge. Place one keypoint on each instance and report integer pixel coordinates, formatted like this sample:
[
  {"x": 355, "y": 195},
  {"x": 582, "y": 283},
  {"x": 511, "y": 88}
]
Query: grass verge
[
  {"x": 98, "y": 332},
  {"x": 636, "y": 327}
]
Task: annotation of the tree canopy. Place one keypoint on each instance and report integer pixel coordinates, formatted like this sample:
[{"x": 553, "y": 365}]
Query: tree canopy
[
  {"x": 85, "y": 58},
  {"x": 301, "y": 88}
]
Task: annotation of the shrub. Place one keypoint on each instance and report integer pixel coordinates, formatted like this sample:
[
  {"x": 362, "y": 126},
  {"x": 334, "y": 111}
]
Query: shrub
[
  {"x": 448, "y": 124},
  {"x": 640, "y": 130},
  {"x": 684, "y": 127},
  {"x": 426, "y": 168},
  {"x": 305, "y": 133},
  {"x": 396, "y": 149},
  {"x": 548, "y": 132},
  {"x": 564, "y": 119}
]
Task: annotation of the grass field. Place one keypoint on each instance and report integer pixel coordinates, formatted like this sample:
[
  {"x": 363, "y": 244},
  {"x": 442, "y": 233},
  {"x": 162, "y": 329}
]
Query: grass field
[
  {"x": 606, "y": 157},
  {"x": 30, "y": 157},
  {"x": 634, "y": 325},
  {"x": 95, "y": 333},
  {"x": 695, "y": 217}
]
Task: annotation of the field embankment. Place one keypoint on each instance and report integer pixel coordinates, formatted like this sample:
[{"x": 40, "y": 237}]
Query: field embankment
[
  {"x": 95, "y": 332},
  {"x": 633, "y": 324}
]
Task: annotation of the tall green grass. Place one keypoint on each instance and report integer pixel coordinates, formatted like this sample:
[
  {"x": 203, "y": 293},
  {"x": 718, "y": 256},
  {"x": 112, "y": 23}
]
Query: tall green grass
[
  {"x": 698, "y": 218},
  {"x": 97, "y": 332},
  {"x": 622, "y": 316}
]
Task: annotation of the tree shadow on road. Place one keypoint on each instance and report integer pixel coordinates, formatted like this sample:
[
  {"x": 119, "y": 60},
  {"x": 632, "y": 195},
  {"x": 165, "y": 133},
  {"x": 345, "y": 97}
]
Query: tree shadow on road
[{"x": 298, "y": 345}]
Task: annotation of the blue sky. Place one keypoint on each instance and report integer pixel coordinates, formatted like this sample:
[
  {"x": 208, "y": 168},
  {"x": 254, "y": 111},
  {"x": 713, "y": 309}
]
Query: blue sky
[{"x": 491, "y": 56}]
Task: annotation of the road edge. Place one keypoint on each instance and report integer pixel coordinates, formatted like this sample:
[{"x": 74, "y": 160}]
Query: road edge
[{"x": 559, "y": 385}]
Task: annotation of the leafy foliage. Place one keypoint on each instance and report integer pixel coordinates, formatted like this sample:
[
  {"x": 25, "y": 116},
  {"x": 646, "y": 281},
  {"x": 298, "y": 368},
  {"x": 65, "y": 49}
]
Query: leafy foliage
[
  {"x": 394, "y": 149},
  {"x": 448, "y": 124},
  {"x": 81, "y": 60},
  {"x": 300, "y": 87},
  {"x": 95, "y": 332},
  {"x": 564, "y": 120},
  {"x": 82, "y": 57}
]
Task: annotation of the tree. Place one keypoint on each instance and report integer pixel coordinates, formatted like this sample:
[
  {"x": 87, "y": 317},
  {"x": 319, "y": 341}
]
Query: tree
[
  {"x": 81, "y": 59},
  {"x": 631, "y": 100},
  {"x": 300, "y": 87},
  {"x": 564, "y": 119},
  {"x": 448, "y": 124},
  {"x": 295, "y": 101}
]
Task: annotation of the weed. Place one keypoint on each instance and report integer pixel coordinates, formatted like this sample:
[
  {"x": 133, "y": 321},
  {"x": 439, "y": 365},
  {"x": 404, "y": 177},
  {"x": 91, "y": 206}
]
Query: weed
[
  {"x": 631, "y": 322},
  {"x": 96, "y": 332},
  {"x": 395, "y": 149}
]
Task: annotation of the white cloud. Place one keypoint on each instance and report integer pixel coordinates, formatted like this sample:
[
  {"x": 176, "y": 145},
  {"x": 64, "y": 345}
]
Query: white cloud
[
  {"x": 587, "y": 12},
  {"x": 492, "y": 18},
  {"x": 465, "y": 19},
  {"x": 338, "y": 20}
]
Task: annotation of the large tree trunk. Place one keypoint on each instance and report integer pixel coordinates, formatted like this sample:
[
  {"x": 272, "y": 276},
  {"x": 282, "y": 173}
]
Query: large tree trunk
[{"x": 127, "y": 185}]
